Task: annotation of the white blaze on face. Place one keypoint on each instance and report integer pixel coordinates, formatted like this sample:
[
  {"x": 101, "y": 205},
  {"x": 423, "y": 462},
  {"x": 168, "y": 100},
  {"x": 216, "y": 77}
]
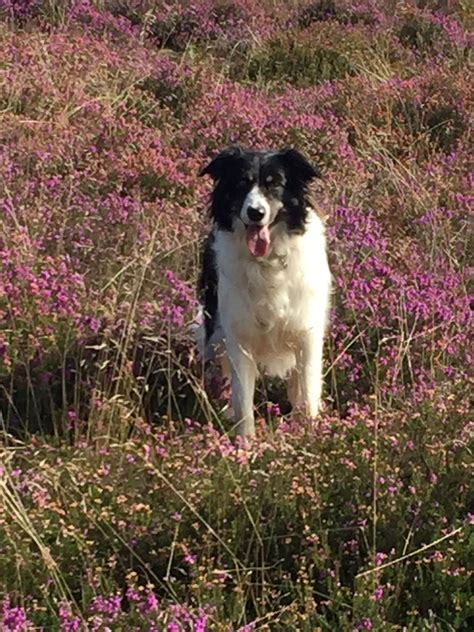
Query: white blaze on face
[
  {"x": 257, "y": 233},
  {"x": 255, "y": 199}
]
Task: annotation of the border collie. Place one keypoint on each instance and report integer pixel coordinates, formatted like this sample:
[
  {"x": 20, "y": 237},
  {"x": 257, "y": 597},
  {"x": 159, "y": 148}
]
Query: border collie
[{"x": 265, "y": 280}]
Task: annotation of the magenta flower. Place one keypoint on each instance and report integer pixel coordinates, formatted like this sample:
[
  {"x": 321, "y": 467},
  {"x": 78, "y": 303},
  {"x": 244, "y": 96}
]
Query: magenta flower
[{"x": 14, "y": 618}]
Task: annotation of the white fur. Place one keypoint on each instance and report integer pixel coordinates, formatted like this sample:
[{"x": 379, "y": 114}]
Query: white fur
[
  {"x": 256, "y": 199},
  {"x": 273, "y": 313}
]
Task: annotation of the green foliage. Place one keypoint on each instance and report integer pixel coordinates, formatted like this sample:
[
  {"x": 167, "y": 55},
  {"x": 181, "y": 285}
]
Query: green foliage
[
  {"x": 420, "y": 34},
  {"x": 301, "y": 64}
]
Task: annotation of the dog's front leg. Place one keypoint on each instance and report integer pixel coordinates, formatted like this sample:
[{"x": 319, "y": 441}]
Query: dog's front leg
[
  {"x": 310, "y": 371},
  {"x": 244, "y": 372}
]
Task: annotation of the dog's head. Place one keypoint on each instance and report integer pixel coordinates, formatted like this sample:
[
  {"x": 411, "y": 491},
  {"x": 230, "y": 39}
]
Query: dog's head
[{"x": 260, "y": 189}]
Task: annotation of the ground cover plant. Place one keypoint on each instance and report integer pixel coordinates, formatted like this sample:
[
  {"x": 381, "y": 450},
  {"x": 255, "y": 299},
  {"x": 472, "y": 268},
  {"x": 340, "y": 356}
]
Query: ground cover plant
[{"x": 124, "y": 502}]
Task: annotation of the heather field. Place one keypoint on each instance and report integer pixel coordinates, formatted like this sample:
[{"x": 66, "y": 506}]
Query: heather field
[{"x": 125, "y": 502}]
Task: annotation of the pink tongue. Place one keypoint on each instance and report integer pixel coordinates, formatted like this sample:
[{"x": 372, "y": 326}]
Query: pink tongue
[{"x": 258, "y": 240}]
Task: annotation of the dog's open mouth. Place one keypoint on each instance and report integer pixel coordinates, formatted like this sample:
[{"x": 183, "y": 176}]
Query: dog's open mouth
[{"x": 258, "y": 240}]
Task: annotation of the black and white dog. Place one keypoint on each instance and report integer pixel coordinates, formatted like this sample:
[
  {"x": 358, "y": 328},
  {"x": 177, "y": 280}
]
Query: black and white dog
[{"x": 265, "y": 280}]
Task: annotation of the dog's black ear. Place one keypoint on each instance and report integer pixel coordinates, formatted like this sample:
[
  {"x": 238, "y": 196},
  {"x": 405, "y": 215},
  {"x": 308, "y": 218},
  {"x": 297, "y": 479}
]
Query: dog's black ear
[
  {"x": 299, "y": 165},
  {"x": 217, "y": 167}
]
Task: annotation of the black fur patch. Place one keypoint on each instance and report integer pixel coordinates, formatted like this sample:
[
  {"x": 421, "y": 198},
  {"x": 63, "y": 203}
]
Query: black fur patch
[{"x": 207, "y": 286}]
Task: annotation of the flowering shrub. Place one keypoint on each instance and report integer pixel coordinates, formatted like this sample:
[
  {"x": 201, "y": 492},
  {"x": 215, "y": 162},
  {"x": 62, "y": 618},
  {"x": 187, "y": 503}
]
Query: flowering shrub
[
  {"x": 130, "y": 508},
  {"x": 182, "y": 527}
]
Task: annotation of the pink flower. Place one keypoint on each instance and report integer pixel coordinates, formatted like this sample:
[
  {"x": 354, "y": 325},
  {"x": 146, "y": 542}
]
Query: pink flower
[{"x": 378, "y": 594}]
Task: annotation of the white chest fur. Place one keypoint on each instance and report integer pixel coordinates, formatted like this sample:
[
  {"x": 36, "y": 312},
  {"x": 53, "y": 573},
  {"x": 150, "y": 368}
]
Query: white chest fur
[{"x": 266, "y": 303}]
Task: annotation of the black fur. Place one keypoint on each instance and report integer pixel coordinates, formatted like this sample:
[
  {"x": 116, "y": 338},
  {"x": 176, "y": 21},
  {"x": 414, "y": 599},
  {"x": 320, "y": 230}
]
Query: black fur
[
  {"x": 295, "y": 196},
  {"x": 207, "y": 286}
]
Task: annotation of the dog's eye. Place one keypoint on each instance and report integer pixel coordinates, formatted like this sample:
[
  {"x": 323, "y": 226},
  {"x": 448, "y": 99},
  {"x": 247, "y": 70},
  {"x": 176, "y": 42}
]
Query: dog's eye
[
  {"x": 273, "y": 180},
  {"x": 246, "y": 180}
]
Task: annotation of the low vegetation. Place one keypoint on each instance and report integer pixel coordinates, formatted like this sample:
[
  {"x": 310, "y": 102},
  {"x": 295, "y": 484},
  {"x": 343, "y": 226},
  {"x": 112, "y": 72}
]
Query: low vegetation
[{"x": 124, "y": 502}]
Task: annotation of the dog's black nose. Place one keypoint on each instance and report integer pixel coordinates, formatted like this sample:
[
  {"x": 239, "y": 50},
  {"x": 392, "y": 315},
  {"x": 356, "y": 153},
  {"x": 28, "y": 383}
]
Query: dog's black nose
[{"x": 255, "y": 214}]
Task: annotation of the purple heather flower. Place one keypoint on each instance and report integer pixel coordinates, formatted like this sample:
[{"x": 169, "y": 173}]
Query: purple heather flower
[
  {"x": 380, "y": 558},
  {"x": 378, "y": 594},
  {"x": 14, "y": 618},
  {"x": 151, "y": 602},
  {"x": 110, "y": 606},
  {"x": 200, "y": 624},
  {"x": 273, "y": 409},
  {"x": 69, "y": 623}
]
